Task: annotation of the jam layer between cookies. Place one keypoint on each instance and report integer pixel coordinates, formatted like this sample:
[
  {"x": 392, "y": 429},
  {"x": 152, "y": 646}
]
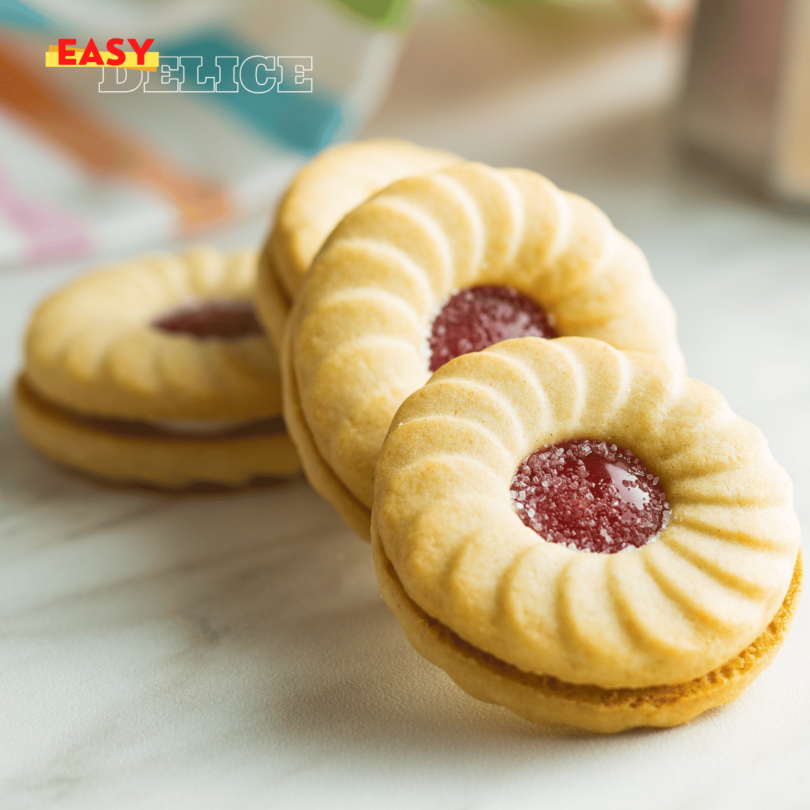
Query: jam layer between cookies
[{"x": 177, "y": 430}]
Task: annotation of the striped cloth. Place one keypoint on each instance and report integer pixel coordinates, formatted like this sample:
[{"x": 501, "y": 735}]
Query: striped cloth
[{"x": 84, "y": 171}]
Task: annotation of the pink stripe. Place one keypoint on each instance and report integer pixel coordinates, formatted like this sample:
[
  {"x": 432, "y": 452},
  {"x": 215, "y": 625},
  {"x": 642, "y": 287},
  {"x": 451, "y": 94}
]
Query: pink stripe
[{"x": 50, "y": 231}]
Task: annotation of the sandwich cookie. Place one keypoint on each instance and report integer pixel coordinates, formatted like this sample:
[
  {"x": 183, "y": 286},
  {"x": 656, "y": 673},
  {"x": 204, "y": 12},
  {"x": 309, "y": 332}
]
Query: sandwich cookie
[
  {"x": 439, "y": 265},
  {"x": 319, "y": 196},
  {"x": 585, "y": 535},
  {"x": 157, "y": 371}
]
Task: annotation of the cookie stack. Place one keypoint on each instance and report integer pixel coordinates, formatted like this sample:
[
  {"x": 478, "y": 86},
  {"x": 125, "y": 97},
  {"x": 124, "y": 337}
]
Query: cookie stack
[
  {"x": 358, "y": 336},
  {"x": 480, "y": 373},
  {"x": 156, "y": 371}
]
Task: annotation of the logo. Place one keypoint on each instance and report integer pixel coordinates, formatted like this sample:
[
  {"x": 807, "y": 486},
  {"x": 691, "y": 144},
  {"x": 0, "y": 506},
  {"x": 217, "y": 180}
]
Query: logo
[
  {"x": 127, "y": 71},
  {"x": 139, "y": 58}
]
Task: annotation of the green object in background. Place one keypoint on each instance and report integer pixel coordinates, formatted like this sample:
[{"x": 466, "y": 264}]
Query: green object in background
[{"x": 376, "y": 12}]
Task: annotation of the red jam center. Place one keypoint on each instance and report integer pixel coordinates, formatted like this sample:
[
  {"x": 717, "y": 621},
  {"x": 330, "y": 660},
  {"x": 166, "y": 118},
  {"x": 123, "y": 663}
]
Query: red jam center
[
  {"x": 226, "y": 320},
  {"x": 591, "y": 496},
  {"x": 480, "y": 316}
]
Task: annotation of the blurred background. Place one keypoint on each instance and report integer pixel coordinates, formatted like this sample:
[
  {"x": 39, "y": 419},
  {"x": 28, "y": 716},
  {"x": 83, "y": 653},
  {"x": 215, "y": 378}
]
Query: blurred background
[
  {"x": 96, "y": 161},
  {"x": 689, "y": 124}
]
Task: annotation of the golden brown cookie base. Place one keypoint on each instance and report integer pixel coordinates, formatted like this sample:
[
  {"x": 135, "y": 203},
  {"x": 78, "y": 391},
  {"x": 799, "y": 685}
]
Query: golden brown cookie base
[
  {"x": 156, "y": 459},
  {"x": 548, "y": 701},
  {"x": 319, "y": 474},
  {"x": 272, "y": 304}
]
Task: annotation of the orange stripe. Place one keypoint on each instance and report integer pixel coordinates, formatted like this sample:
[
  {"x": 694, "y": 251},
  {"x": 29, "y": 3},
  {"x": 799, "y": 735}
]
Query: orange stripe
[{"x": 27, "y": 92}]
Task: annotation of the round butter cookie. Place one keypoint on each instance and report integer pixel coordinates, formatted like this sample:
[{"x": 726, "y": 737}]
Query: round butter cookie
[
  {"x": 318, "y": 197},
  {"x": 157, "y": 371},
  {"x": 585, "y": 535},
  {"x": 431, "y": 267}
]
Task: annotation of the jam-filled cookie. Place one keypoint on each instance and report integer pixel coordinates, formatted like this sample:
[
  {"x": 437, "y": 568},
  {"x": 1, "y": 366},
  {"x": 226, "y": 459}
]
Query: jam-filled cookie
[
  {"x": 585, "y": 535},
  {"x": 318, "y": 197},
  {"x": 439, "y": 265},
  {"x": 157, "y": 371}
]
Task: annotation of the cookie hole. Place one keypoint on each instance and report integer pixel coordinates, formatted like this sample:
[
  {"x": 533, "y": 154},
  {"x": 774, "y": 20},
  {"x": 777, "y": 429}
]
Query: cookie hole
[
  {"x": 224, "y": 320},
  {"x": 590, "y": 496},
  {"x": 477, "y": 317}
]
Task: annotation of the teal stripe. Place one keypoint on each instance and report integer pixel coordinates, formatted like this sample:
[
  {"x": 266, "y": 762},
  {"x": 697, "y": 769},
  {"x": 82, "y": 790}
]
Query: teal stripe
[
  {"x": 298, "y": 122},
  {"x": 16, "y": 14}
]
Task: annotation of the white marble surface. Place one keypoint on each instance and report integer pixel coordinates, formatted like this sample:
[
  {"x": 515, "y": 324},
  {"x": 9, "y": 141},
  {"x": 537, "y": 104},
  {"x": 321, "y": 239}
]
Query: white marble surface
[{"x": 232, "y": 651}]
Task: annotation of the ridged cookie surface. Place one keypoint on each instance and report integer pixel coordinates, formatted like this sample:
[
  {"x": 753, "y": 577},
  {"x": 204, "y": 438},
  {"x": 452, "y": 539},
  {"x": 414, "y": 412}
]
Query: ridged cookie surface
[
  {"x": 358, "y": 331},
  {"x": 667, "y": 613},
  {"x": 326, "y": 189},
  {"x": 91, "y": 347}
]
